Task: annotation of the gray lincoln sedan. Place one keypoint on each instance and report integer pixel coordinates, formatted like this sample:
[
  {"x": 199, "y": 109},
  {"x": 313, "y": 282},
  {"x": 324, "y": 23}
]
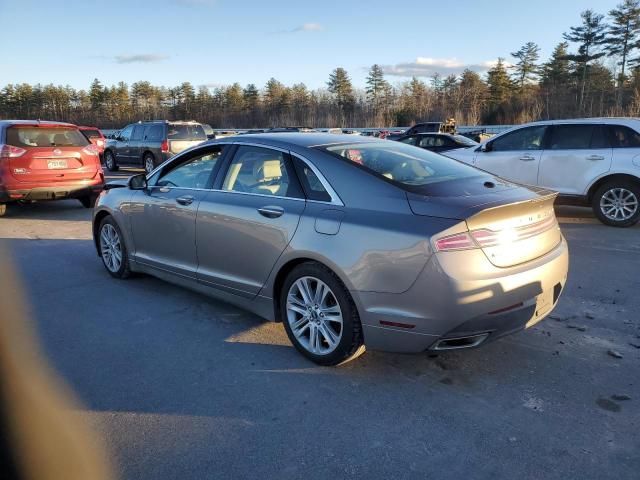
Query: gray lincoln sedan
[{"x": 350, "y": 242}]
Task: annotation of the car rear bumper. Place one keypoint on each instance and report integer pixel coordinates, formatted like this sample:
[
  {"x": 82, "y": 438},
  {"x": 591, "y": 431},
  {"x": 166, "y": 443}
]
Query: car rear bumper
[
  {"x": 51, "y": 192},
  {"x": 461, "y": 300}
]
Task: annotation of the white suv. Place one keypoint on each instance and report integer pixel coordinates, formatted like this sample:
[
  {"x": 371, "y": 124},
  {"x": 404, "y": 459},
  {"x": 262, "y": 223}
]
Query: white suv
[{"x": 594, "y": 161}]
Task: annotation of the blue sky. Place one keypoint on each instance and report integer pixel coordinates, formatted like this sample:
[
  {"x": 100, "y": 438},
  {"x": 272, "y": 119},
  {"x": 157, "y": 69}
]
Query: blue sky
[{"x": 214, "y": 42}]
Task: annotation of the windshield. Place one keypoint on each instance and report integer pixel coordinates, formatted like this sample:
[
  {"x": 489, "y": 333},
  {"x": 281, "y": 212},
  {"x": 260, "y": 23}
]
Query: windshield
[
  {"x": 26, "y": 137},
  {"x": 409, "y": 166},
  {"x": 187, "y": 131},
  {"x": 465, "y": 141}
]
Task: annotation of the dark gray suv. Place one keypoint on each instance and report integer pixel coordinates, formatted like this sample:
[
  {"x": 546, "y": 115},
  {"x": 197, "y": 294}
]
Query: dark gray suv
[{"x": 150, "y": 143}]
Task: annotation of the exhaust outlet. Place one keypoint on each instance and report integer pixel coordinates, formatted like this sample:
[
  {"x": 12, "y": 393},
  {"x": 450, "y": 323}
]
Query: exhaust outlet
[{"x": 460, "y": 342}]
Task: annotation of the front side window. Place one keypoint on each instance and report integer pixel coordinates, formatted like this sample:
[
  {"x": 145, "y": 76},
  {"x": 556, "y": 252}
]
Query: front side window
[
  {"x": 125, "y": 134},
  {"x": 624, "y": 137},
  {"x": 137, "y": 132},
  {"x": 25, "y": 137},
  {"x": 261, "y": 171},
  {"x": 193, "y": 172},
  {"x": 406, "y": 166},
  {"x": 529, "y": 138}
]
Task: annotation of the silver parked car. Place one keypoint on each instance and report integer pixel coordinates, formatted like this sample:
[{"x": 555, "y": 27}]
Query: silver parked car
[{"x": 349, "y": 241}]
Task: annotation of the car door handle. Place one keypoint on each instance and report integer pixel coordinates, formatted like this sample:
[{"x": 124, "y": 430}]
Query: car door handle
[
  {"x": 186, "y": 200},
  {"x": 595, "y": 157},
  {"x": 527, "y": 158},
  {"x": 271, "y": 212}
]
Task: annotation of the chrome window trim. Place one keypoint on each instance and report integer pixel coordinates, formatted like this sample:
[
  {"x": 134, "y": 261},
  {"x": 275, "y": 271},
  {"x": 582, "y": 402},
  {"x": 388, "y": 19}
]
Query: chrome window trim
[{"x": 335, "y": 198}]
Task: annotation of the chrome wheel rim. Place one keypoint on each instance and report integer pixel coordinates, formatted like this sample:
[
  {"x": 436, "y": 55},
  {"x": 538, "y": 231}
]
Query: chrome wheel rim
[
  {"x": 108, "y": 160},
  {"x": 314, "y": 315},
  {"x": 619, "y": 204},
  {"x": 148, "y": 164},
  {"x": 111, "y": 248}
]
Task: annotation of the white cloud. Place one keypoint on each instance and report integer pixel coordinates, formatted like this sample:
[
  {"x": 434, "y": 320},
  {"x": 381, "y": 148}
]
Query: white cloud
[
  {"x": 196, "y": 3},
  {"x": 305, "y": 27},
  {"x": 140, "y": 58},
  {"x": 427, "y": 67}
]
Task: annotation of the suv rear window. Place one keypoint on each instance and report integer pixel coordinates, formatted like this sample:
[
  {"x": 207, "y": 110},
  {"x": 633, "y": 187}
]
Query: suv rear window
[
  {"x": 624, "y": 137},
  {"x": 186, "y": 132},
  {"x": 409, "y": 167},
  {"x": 91, "y": 133},
  {"x": 29, "y": 137}
]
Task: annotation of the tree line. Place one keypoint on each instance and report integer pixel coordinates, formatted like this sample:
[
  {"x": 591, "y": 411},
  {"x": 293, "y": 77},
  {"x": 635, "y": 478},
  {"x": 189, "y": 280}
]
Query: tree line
[{"x": 593, "y": 71}]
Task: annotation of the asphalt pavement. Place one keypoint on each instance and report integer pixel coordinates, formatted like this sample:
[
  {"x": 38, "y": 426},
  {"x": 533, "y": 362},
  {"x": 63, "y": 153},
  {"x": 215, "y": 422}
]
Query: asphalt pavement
[{"x": 185, "y": 387}]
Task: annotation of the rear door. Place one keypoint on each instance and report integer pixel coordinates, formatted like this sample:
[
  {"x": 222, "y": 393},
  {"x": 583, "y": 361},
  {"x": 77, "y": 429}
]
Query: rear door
[
  {"x": 135, "y": 144},
  {"x": 245, "y": 224},
  {"x": 575, "y": 155},
  {"x": 515, "y": 155},
  {"x": 163, "y": 217}
]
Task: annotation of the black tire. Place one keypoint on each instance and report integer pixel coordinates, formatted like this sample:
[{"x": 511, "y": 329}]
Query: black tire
[
  {"x": 148, "y": 162},
  {"x": 124, "y": 270},
  {"x": 633, "y": 190},
  {"x": 110, "y": 161},
  {"x": 88, "y": 201},
  {"x": 351, "y": 344},
  {"x": 3, "y": 209}
]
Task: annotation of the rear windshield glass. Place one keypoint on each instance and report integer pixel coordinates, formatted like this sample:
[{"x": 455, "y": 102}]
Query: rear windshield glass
[
  {"x": 410, "y": 167},
  {"x": 186, "y": 132},
  {"x": 91, "y": 133},
  {"x": 462, "y": 140},
  {"x": 26, "y": 137}
]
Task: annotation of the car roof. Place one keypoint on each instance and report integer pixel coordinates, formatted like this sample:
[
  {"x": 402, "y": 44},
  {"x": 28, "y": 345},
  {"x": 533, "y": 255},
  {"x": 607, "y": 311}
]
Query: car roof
[
  {"x": 597, "y": 120},
  {"x": 295, "y": 139},
  {"x": 40, "y": 123}
]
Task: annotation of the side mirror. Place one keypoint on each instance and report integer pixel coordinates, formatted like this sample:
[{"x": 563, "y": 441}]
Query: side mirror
[
  {"x": 138, "y": 182},
  {"x": 487, "y": 147}
]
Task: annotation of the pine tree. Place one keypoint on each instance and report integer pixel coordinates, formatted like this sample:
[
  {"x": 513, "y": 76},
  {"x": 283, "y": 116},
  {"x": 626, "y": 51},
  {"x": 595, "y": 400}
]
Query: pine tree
[
  {"x": 526, "y": 68},
  {"x": 251, "y": 96},
  {"x": 340, "y": 86},
  {"x": 622, "y": 37},
  {"x": 376, "y": 86},
  {"x": 589, "y": 36},
  {"x": 500, "y": 85},
  {"x": 556, "y": 71},
  {"x": 96, "y": 94}
]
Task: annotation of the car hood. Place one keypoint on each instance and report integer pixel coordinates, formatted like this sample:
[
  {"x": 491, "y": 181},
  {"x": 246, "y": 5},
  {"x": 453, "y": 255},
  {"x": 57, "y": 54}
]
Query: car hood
[{"x": 460, "y": 199}]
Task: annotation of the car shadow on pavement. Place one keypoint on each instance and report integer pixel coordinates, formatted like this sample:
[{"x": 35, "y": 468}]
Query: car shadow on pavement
[{"x": 66, "y": 210}]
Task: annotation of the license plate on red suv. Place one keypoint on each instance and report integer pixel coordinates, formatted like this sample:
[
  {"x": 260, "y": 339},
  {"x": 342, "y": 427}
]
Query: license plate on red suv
[{"x": 53, "y": 164}]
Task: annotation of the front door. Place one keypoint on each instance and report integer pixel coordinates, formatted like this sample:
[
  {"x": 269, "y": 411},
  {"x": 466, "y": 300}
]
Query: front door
[
  {"x": 576, "y": 154},
  {"x": 246, "y": 223},
  {"x": 515, "y": 155},
  {"x": 122, "y": 145},
  {"x": 163, "y": 217}
]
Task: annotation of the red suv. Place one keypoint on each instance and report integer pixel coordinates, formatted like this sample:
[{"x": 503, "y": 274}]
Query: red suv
[{"x": 47, "y": 161}]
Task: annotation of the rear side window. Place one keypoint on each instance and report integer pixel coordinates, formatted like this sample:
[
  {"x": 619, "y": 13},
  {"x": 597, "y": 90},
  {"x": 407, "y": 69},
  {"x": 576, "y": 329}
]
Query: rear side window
[
  {"x": 153, "y": 133},
  {"x": 403, "y": 165},
  {"x": 570, "y": 137},
  {"x": 624, "y": 137},
  {"x": 26, "y": 137},
  {"x": 186, "y": 131},
  {"x": 311, "y": 184}
]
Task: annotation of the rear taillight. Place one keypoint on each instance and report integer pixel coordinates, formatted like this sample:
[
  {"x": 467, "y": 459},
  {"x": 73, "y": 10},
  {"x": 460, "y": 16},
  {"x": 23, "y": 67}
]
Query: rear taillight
[
  {"x": 164, "y": 148},
  {"x": 459, "y": 241},
  {"x": 100, "y": 143},
  {"x": 485, "y": 238},
  {"x": 91, "y": 150},
  {"x": 9, "y": 151}
]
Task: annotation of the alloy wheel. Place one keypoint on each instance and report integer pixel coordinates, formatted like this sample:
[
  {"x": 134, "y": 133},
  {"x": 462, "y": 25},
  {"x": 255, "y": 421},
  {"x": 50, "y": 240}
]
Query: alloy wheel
[
  {"x": 111, "y": 248},
  {"x": 619, "y": 204},
  {"x": 314, "y": 315},
  {"x": 108, "y": 160},
  {"x": 148, "y": 164}
]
